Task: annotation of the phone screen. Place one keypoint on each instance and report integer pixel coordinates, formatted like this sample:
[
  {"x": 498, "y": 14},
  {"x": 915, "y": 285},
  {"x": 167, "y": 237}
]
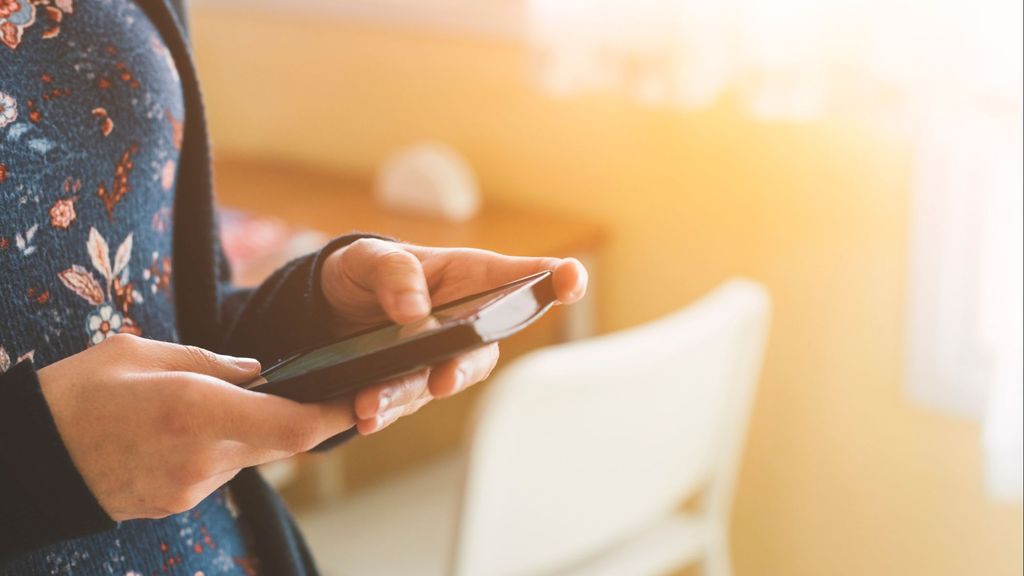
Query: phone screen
[{"x": 383, "y": 337}]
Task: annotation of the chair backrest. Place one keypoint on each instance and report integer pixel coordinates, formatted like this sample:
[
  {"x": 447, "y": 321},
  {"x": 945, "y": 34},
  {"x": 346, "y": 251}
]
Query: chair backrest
[{"x": 577, "y": 446}]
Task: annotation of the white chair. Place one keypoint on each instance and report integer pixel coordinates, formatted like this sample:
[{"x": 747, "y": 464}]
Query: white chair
[{"x": 578, "y": 460}]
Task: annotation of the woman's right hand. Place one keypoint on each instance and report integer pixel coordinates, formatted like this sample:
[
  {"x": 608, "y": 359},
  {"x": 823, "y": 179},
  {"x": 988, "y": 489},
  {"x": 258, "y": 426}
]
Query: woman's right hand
[{"x": 155, "y": 427}]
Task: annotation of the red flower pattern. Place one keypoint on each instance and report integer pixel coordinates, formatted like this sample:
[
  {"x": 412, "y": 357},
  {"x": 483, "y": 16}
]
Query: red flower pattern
[
  {"x": 62, "y": 213},
  {"x": 8, "y": 7},
  {"x": 16, "y": 16},
  {"x": 120, "y": 185}
]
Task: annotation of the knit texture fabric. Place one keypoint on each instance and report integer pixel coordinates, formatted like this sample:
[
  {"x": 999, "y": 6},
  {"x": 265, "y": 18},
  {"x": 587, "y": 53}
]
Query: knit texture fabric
[
  {"x": 44, "y": 502},
  {"x": 90, "y": 139}
]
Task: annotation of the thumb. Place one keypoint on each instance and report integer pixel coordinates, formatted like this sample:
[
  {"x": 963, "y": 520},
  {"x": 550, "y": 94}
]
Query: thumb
[
  {"x": 393, "y": 274},
  {"x": 202, "y": 361}
]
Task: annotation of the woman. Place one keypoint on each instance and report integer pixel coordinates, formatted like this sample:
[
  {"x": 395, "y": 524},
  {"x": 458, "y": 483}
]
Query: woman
[{"x": 125, "y": 446}]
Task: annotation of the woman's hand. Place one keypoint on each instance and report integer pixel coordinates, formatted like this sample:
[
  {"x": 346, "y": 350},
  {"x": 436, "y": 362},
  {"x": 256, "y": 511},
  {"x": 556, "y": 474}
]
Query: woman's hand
[
  {"x": 370, "y": 281},
  {"x": 155, "y": 427}
]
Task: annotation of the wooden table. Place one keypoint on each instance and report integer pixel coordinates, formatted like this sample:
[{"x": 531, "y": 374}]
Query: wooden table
[{"x": 337, "y": 204}]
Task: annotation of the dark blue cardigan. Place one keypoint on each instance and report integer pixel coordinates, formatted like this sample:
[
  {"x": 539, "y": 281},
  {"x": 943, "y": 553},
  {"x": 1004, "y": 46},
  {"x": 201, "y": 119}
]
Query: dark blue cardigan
[{"x": 43, "y": 498}]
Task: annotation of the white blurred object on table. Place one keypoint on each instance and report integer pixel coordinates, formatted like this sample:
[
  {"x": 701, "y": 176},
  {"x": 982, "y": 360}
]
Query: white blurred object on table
[{"x": 431, "y": 179}]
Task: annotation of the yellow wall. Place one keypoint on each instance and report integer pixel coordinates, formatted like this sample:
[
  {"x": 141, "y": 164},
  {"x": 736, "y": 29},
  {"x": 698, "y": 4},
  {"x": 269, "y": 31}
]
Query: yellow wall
[{"x": 843, "y": 475}]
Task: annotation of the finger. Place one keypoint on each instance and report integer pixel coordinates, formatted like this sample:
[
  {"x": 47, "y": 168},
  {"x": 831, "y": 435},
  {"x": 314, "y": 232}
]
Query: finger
[
  {"x": 463, "y": 371},
  {"x": 389, "y": 417},
  {"x": 393, "y": 273},
  {"x": 570, "y": 279},
  {"x": 201, "y": 361},
  {"x": 263, "y": 421},
  {"x": 384, "y": 396},
  {"x": 471, "y": 270}
]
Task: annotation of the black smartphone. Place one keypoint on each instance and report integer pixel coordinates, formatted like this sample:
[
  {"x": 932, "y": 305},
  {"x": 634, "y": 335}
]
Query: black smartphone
[{"x": 391, "y": 350}]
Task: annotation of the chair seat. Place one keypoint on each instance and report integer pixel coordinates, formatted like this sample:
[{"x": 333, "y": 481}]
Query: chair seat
[{"x": 406, "y": 527}]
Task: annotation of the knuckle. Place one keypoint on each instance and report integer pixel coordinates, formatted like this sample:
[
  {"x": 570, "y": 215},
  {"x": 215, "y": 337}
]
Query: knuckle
[
  {"x": 364, "y": 247},
  {"x": 409, "y": 387},
  {"x": 414, "y": 383},
  {"x": 122, "y": 340},
  {"x": 395, "y": 259},
  {"x": 200, "y": 356},
  {"x": 416, "y": 406},
  {"x": 360, "y": 244}
]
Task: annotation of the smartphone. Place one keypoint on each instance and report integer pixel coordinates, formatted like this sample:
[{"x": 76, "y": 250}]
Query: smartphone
[{"x": 390, "y": 350}]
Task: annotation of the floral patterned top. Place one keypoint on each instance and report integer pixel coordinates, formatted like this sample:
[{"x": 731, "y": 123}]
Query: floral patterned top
[{"x": 91, "y": 110}]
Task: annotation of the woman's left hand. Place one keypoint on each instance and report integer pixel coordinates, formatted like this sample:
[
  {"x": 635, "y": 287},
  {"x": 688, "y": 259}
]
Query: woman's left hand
[{"x": 370, "y": 281}]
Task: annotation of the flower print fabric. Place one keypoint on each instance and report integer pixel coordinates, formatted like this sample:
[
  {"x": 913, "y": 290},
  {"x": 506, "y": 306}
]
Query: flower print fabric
[
  {"x": 103, "y": 322},
  {"x": 8, "y": 110},
  {"x": 90, "y": 132},
  {"x": 113, "y": 296},
  {"x": 91, "y": 111}
]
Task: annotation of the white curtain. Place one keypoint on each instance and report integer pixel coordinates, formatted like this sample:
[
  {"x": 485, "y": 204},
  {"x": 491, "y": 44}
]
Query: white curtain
[{"x": 946, "y": 73}]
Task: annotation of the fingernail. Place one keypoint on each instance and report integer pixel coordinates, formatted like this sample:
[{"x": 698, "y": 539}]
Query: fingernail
[
  {"x": 248, "y": 364},
  {"x": 412, "y": 303},
  {"x": 384, "y": 401}
]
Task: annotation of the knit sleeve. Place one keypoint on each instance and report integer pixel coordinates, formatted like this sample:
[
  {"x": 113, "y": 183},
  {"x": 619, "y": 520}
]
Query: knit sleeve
[
  {"x": 43, "y": 498},
  {"x": 284, "y": 314}
]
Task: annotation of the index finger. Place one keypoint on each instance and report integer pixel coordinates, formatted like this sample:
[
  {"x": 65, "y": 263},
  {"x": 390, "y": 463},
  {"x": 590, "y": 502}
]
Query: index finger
[
  {"x": 469, "y": 270},
  {"x": 271, "y": 422}
]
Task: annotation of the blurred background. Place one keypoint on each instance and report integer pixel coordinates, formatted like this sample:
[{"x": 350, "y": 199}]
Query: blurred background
[{"x": 858, "y": 160}]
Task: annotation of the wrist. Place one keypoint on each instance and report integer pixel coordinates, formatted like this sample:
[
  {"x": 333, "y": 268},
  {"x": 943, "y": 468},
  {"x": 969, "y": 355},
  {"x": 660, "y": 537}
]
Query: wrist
[{"x": 44, "y": 495}]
